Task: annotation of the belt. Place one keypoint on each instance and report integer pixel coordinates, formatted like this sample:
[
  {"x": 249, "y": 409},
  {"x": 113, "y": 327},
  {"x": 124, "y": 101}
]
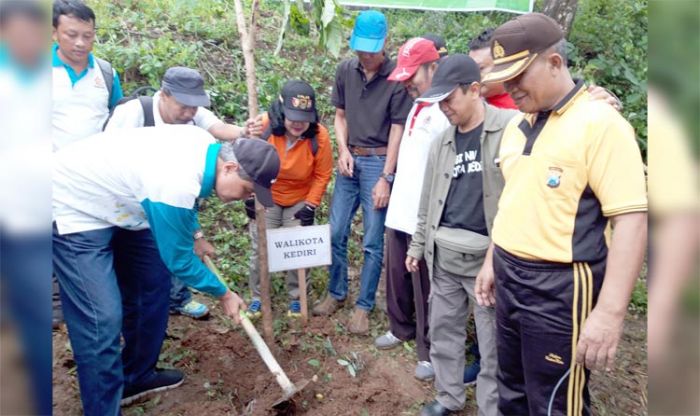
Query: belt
[{"x": 368, "y": 151}]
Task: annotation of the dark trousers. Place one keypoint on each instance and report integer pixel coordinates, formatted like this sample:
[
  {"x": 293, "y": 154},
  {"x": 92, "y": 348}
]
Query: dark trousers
[
  {"x": 180, "y": 294},
  {"x": 407, "y": 294},
  {"x": 540, "y": 310},
  {"x": 113, "y": 284}
]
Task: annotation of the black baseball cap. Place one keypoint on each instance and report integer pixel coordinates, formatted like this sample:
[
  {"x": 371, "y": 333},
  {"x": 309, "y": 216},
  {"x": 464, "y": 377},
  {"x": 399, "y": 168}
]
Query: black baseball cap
[
  {"x": 439, "y": 43},
  {"x": 299, "y": 101},
  {"x": 186, "y": 85},
  {"x": 453, "y": 71},
  {"x": 259, "y": 159}
]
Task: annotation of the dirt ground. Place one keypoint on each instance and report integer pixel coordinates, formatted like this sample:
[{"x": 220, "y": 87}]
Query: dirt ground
[{"x": 225, "y": 376}]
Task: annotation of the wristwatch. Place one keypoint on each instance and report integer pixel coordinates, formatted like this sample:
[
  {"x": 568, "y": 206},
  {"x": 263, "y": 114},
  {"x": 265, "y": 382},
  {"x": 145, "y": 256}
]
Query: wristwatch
[
  {"x": 389, "y": 177},
  {"x": 198, "y": 234}
]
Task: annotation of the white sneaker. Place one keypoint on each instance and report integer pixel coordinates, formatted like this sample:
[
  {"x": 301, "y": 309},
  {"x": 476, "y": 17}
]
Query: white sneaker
[
  {"x": 387, "y": 341},
  {"x": 425, "y": 371}
]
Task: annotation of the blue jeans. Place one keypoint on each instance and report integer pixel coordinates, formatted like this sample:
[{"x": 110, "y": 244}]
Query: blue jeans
[
  {"x": 113, "y": 283},
  {"x": 25, "y": 276},
  {"x": 180, "y": 294},
  {"x": 349, "y": 194}
]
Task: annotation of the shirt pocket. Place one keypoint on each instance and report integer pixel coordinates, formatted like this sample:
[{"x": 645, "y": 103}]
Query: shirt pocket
[{"x": 555, "y": 178}]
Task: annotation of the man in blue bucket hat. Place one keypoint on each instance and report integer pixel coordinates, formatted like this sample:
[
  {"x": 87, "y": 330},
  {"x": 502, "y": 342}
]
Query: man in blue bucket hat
[{"x": 369, "y": 118}]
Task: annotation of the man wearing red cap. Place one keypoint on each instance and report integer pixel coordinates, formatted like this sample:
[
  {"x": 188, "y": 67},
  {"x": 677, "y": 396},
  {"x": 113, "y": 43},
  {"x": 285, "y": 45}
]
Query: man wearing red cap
[
  {"x": 407, "y": 293},
  {"x": 572, "y": 168}
]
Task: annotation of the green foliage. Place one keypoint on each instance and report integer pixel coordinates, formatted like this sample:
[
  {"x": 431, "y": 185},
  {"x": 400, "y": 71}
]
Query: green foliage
[
  {"x": 638, "y": 302},
  {"x": 674, "y": 61},
  {"x": 609, "y": 41},
  {"x": 353, "y": 362}
]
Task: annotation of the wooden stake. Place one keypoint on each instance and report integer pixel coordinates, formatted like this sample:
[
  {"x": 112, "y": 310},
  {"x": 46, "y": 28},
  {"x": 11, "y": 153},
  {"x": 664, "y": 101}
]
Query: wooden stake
[
  {"x": 247, "y": 34},
  {"x": 302, "y": 296}
]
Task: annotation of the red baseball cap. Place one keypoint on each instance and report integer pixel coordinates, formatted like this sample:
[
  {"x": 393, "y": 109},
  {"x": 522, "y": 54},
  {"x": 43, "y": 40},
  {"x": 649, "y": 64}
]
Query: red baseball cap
[{"x": 412, "y": 54}]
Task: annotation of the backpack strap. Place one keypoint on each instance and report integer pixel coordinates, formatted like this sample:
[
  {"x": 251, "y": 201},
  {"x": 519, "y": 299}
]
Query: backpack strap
[
  {"x": 147, "y": 107},
  {"x": 313, "y": 142},
  {"x": 108, "y": 75}
]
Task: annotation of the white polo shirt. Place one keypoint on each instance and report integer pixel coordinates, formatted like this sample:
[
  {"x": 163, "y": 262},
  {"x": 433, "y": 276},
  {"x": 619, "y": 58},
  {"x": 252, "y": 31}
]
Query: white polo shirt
[
  {"x": 130, "y": 114},
  {"x": 141, "y": 178},
  {"x": 25, "y": 148},
  {"x": 101, "y": 181},
  {"x": 424, "y": 124},
  {"x": 80, "y": 101}
]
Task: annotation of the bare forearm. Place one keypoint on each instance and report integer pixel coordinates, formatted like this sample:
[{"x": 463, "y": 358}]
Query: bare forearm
[
  {"x": 624, "y": 263},
  {"x": 341, "y": 131},
  {"x": 226, "y": 132},
  {"x": 392, "y": 151},
  {"x": 488, "y": 260}
]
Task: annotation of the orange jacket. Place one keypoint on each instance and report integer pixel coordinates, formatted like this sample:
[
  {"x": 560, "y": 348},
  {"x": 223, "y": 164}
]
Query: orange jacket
[{"x": 302, "y": 176}]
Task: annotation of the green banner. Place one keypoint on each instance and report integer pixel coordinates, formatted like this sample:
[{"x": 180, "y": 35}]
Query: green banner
[{"x": 515, "y": 6}]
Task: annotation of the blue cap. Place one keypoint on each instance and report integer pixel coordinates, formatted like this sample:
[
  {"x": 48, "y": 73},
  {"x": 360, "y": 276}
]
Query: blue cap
[{"x": 369, "y": 32}]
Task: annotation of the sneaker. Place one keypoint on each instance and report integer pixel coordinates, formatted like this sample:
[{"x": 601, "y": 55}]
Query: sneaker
[
  {"x": 471, "y": 372},
  {"x": 359, "y": 322},
  {"x": 387, "y": 341},
  {"x": 162, "y": 381},
  {"x": 424, "y": 371},
  {"x": 434, "y": 408},
  {"x": 327, "y": 307},
  {"x": 294, "y": 309},
  {"x": 254, "y": 309},
  {"x": 193, "y": 309}
]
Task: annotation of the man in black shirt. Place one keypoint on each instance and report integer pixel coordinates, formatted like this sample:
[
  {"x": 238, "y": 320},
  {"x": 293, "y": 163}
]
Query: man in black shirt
[
  {"x": 370, "y": 114},
  {"x": 458, "y": 204},
  {"x": 465, "y": 199}
]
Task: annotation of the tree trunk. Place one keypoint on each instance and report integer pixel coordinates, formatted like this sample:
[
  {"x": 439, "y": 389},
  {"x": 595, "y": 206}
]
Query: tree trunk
[
  {"x": 247, "y": 34},
  {"x": 563, "y": 11},
  {"x": 248, "y": 46}
]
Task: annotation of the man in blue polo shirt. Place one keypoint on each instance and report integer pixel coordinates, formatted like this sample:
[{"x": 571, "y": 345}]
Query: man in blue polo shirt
[{"x": 85, "y": 88}]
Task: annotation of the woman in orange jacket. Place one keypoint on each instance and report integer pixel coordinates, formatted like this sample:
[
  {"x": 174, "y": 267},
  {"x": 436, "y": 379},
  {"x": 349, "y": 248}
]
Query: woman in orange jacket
[{"x": 306, "y": 166}]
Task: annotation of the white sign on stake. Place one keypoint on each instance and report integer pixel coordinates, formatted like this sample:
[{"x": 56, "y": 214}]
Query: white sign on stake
[{"x": 291, "y": 248}]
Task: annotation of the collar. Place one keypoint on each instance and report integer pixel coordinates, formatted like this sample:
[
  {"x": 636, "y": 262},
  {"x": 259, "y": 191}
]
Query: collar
[
  {"x": 209, "y": 176},
  {"x": 418, "y": 107},
  {"x": 569, "y": 99},
  {"x": 497, "y": 97},
  {"x": 384, "y": 70},
  {"x": 56, "y": 60},
  {"x": 25, "y": 75},
  {"x": 491, "y": 122}
]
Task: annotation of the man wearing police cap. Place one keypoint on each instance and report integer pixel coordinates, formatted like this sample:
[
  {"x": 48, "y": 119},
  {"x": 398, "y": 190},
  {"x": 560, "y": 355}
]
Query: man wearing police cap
[{"x": 572, "y": 168}]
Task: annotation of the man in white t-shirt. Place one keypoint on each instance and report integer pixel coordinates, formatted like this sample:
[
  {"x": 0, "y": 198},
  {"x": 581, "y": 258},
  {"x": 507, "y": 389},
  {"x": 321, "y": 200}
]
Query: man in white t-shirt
[
  {"x": 181, "y": 100},
  {"x": 407, "y": 293}
]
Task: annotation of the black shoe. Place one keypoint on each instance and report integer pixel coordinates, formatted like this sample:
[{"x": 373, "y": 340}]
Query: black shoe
[
  {"x": 434, "y": 408},
  {"x": 162, "y": 381}
]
